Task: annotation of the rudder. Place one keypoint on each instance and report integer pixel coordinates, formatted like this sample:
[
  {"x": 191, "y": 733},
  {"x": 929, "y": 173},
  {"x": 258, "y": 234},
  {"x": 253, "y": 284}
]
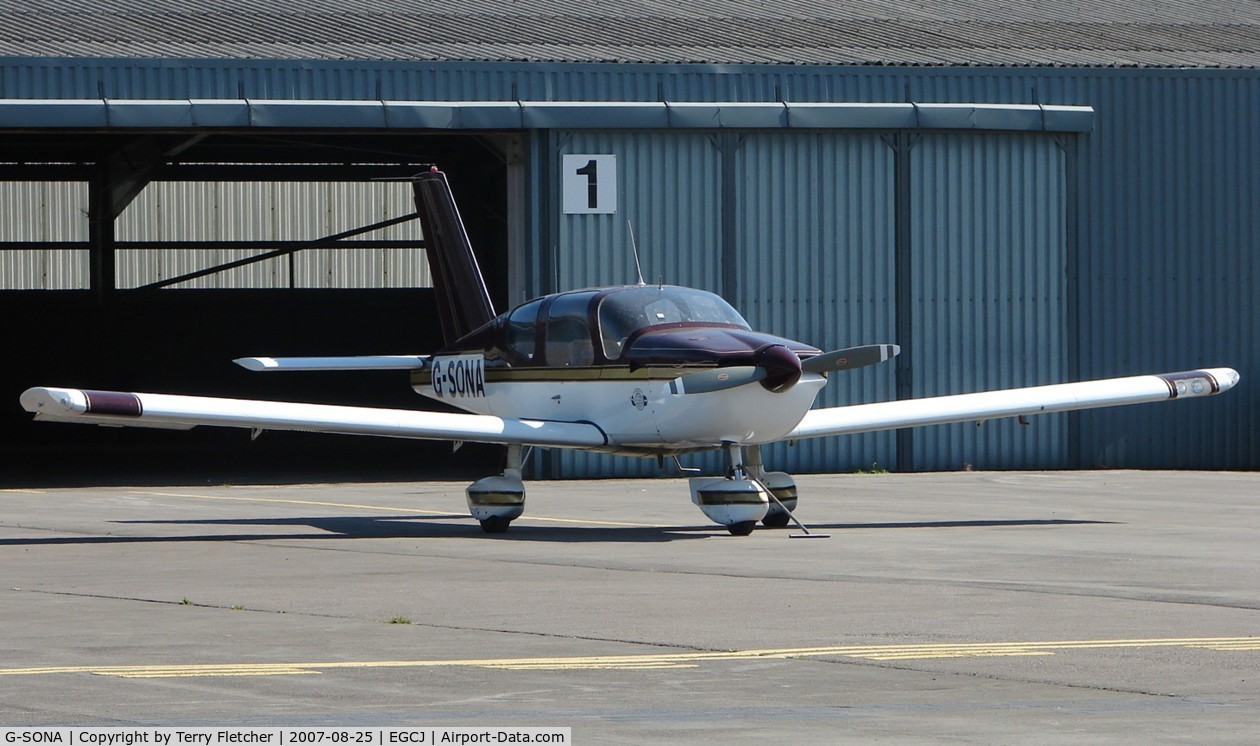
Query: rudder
[{"x": 463, "y": 302}]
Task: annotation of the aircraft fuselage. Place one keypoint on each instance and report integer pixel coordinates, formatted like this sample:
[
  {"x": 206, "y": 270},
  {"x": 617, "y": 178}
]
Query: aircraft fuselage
[{"x": 614, "y": 356}]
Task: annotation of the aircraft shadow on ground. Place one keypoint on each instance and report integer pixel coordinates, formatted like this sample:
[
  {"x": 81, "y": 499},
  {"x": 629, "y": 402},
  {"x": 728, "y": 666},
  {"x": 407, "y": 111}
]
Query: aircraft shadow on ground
[
  {"x": 460, "y": 527},
  {"x": 960, "y": 524}
]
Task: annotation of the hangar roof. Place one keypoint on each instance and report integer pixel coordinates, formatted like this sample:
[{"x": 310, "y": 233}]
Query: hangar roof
[{"x": 1128, "y": 33}]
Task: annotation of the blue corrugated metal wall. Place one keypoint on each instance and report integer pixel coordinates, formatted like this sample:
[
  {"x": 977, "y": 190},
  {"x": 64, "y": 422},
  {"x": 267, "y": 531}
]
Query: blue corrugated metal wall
[
  {"x": 813, "y": 258},
  {"x": 988, "y": 296},
  {"x": 1165, "y": 255},
  {"x": 669, "y": 184},
  {"x": 814, "y": 253},
  {"x": 1169, "y": 261}
]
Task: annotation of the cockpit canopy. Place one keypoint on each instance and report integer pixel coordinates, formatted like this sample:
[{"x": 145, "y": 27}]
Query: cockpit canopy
[
  {"x": 625, "y": 311},
  {"x": 588, "y": 327}
]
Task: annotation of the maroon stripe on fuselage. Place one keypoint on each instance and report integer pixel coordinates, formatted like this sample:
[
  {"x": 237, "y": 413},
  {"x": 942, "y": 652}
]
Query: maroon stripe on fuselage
[{"x": 113, "y": 403}]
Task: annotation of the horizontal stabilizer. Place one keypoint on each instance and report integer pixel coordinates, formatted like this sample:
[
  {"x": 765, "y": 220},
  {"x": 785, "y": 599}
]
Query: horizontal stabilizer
[
  {"x": 361, "y": 362},
  {"x": 1062, "y": 397},
  {"x": 118, "y": 408}
]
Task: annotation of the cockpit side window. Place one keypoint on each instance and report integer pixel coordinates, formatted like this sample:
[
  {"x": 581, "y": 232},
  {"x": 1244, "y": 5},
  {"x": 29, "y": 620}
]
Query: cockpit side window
[
  {"x": 568, "y": 341},
  {"x": 521, "y": 331},
  {"x": 617, "y": 321}
]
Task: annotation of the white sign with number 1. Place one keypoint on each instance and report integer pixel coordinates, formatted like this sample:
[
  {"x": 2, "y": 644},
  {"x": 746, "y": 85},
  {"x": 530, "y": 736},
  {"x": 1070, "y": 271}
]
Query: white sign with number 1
[{"x": 589, "y": 184}]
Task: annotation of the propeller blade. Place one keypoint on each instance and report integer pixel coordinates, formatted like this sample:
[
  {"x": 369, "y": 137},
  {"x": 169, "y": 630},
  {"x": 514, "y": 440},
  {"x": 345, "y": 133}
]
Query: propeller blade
[
  {"x": 718, "y": 379},
  {"x": 849, "y": 359}
]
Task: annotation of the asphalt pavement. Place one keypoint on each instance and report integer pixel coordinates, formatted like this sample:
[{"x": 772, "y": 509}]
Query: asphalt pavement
[{"x": 969, "y": 607}]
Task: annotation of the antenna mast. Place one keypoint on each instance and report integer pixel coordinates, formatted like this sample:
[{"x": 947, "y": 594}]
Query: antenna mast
[{"x": 634, "y": 246}]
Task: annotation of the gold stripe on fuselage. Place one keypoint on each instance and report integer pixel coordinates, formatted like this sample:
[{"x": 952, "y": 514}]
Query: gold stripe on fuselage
[{"x": 605, "y": 373}]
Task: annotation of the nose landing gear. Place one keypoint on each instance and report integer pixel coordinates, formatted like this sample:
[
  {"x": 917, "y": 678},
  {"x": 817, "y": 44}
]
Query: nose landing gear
[
  {"x": 735, "y": 503},
  {"x": 748, "y": 494},
  {"x": 781, "y": 486}
]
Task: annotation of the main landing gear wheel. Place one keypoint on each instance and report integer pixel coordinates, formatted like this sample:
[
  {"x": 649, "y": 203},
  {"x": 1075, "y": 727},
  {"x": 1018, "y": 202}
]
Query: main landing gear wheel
[
  {"x": 496, "y": 501},
  {"x": 496, "y": 524},
  {"x": 777, "y": 519},
  {"x": 743, "y": 528}
]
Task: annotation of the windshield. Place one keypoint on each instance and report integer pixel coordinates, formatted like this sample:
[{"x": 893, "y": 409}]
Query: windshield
[{"x": 624, "y": 311}]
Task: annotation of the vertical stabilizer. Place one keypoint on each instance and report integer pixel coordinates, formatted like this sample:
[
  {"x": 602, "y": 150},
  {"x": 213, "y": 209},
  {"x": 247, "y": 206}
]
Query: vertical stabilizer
[{"x": 463, "y": 301}]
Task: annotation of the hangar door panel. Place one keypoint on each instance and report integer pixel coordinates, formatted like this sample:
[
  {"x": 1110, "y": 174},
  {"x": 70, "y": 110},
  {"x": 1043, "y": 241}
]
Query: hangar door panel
[
  {"x": 988, "y": 292},
  {"x": 798, "y": 230},
  {"x": 36, "y": 211},
  {"x": 270, "y": 211},
  {"x": 814, "y": 257},
  {"x": 669, "y": 187}
]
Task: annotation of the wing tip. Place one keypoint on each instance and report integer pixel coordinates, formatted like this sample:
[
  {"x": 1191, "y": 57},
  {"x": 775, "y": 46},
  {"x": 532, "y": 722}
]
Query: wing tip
[
  {"x": 257, "y": 363},
  {"x": 54, "y": 402},
  {"x": 1200, "y": 382},
  {"x": 1227, "y": 378}
]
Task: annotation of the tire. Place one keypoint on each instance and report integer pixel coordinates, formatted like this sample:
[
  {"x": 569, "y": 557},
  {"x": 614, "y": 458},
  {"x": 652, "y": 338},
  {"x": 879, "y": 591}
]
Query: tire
[
  {"x": 777, "y": 519},
  {"x": 743, "y": 528},
  {"x": 496, "y": 525}
]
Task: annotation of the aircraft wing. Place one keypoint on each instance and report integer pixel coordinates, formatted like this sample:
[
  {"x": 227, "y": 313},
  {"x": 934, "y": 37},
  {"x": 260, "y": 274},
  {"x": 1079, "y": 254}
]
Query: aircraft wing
[
  {"x": 988, "y": 405},
  {"x": 122, "y": 409}
]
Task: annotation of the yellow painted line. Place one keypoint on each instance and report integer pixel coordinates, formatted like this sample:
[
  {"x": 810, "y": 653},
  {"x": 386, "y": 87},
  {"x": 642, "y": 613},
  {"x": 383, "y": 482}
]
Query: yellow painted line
[
  {"x": 983, "y": 646},
  {"x": 660, "y": 660},
  {"x": 1254, "y": 645},
  {"x": 24, "y": 492},
  {"x": 199, "y": 674},
  {"x": 386, "y": 509},
  {"x": 951, "y": 654},
  {"x": 592, "y": 666}
]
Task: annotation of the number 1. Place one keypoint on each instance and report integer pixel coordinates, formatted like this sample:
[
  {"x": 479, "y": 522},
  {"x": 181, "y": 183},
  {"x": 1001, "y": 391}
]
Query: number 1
[{"x": 592, "y": 188}]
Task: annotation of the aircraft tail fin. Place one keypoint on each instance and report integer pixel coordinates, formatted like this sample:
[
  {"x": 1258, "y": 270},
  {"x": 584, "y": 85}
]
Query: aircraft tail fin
[{"x": 463, "y": 301}]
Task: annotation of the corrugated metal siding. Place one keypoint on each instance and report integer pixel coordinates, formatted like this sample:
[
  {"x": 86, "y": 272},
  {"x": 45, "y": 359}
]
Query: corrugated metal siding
[
  {"x": 270, "y": 211},
  {"x": 815, "y": 262},
  {"x": 62, "y": 78},
  {"x": 669, "y": 188},
  {"x": 988, "y": 291},
  {"x": 813, "y": 254},
  {"x": 43, "y": 211},
  {"x": 1169, "y": 265}
]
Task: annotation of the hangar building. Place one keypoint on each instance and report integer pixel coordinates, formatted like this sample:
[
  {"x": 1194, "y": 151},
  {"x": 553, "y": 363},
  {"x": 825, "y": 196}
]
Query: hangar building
[{"x": 1018, "y": 193}]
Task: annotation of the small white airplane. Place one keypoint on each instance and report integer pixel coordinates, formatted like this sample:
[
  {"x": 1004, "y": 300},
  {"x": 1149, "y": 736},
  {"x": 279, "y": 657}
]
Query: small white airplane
[{"x": 639, "y": 370}]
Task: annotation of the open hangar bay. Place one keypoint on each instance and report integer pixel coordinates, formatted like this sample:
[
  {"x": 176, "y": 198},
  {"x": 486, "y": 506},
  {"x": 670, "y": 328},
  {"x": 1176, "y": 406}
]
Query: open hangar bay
[{"x": 976, "y": 607}]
